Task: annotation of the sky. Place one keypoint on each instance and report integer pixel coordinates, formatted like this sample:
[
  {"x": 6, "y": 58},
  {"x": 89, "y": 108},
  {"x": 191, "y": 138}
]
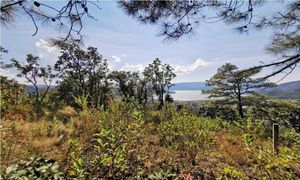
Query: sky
[{"x": 129, "y": 45}]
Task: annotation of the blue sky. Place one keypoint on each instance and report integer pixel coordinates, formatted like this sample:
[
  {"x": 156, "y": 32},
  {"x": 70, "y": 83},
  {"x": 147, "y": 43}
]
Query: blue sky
[{"x": 129, "y": 45}]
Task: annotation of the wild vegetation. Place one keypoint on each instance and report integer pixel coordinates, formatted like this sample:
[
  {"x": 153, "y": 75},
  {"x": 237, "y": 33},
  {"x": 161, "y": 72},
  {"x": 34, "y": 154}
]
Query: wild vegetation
[
  {"x": 129, "y": 142},
  {"x": 80, "y": 120},
  {"x": 100, "y": 124}
]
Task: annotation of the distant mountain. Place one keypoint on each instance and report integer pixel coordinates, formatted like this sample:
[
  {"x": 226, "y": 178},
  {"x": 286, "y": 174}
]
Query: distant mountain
[
  {"x": 31, "y": 88},
  {"x": 190, "y": 86},
  {"x": 289, "y": 90}
]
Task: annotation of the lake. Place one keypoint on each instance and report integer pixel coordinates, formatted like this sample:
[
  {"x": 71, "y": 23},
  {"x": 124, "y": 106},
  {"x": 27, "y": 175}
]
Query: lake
[{"x": 189, "y": 95}]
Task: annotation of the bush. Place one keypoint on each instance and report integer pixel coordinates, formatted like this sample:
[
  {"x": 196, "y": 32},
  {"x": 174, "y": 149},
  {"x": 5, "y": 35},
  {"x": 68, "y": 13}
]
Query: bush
[
  {"x": 12, "y": 94},
  {"x": 285, "y": 165},
  {"x": 35, "y": 168},
  {"x": 214, "y": 110},
  {"x": 184, "y": 132},
  {"x": 269, "y": 110},
  {"x": 114, "y": 150}
]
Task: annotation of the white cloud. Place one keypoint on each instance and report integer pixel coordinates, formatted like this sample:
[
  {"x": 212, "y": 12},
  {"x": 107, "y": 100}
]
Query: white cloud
[
  {"x": 179, "y": 69},
  {"x": 10, "y": 75},
  {"x": 116, "y": 59},
  {"x": 137, "y": 67},
  {"x": 48, "y": 54},
  {"x": 183, "y": 69}
]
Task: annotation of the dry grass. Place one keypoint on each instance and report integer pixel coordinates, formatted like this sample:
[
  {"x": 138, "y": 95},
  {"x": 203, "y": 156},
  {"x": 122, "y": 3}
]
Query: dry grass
[
  {"x": 21, "y": 139},
  {"x": 231, "y": 148}
]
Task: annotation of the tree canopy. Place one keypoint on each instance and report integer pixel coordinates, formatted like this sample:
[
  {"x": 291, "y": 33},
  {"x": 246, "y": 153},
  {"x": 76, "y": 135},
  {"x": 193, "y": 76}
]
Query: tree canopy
[
  {"x": 233, "y": 85},
  {"x": 35, "y": 75},
  {"x": 160, "y": 75},
  {"x": 68, "y": 17},
  {"x": 83, "y": 73}
]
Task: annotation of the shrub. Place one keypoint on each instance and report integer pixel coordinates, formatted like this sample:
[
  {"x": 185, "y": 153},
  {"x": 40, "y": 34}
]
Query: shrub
[
  {"x": 12, "y": 94},
  {"x": 163, "y": 174},
  {"x": 116, "y": 146},
  {"x": 35, "y": 168},
  {"x": 285, "y": 165},
  {"x": 184, "y": 132},
  {"x": 268, "y": 110},
  {"x": 230, "y": 172},
  {"x": 76, "y": 167},
  {"x": 214, "y": 110}
]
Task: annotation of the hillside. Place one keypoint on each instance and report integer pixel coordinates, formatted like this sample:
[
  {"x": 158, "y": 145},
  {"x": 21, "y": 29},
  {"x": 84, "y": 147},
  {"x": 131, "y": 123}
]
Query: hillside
[{"x": 289, "y": 90}]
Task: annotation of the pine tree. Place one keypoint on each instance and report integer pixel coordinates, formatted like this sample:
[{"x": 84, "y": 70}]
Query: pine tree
[{"x": 231, "y": 85}]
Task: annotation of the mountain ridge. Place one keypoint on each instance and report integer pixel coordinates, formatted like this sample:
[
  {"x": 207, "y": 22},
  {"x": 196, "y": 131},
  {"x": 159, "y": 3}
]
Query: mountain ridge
[{"x": 288, "y": 90}]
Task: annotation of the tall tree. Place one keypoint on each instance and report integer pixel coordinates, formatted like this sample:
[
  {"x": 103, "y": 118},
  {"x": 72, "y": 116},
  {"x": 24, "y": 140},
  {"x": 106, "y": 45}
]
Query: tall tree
[
  {"x": 232, "y": 85},
  {"x": 160, "y": 76},
  {"x": 127, "y": 83},
  {"x": 144, "y": 91},
  {"x": 83, "y": 73},
  {"x": 35, "y": 75},
  {"x": 132, "y": 86}
]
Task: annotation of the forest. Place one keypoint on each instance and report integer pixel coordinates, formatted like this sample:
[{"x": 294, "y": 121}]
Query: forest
[{"x": 80, "y": 119}]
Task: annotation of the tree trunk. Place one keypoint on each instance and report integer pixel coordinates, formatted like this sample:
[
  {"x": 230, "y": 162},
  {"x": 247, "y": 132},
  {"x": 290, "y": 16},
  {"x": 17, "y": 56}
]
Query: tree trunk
[
  {"x": 161, "y": 97},
  {"x": 240, "y": 106}
]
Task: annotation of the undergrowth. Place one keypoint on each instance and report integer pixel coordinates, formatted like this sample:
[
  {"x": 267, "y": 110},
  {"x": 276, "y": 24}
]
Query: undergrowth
[{"x": 129, "y": 142}]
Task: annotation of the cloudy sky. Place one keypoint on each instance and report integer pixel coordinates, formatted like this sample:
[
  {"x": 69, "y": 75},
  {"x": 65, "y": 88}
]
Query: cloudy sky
[{"x": 129, "y": 45}]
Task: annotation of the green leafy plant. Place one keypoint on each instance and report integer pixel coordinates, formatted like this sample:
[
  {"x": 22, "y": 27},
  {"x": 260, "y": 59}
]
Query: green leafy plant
[
  {"x": 35, "y": 168},
  {"x": 111, "y": 151},
  {"x": 284, "y": 165},
  {"x": 82, "y": 102},
  {"x": 250, "y": 131},
  {"x": 230, "y": 172},
  {"x": 163, "y": 174},
  {"x": 184, "y": 132},
  {"x": 77, "y": 166}
]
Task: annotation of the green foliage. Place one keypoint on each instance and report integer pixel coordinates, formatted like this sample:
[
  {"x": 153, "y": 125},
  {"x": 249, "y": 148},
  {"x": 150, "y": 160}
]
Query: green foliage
[
  {"x": 36, "y": 168},
  {"x": 12, "y": 94},
  {"x": 160, "y": 76},
  {"x": 284, "y": 165},
  {"x": 77, "y": 166},
  {"x": 184, "y": 132},
  {"x": 289, "y": 137},
  {"x": 33, "y": 72},
  {"x": 232, "y": 85},
  {"x": 128, "y": 85},
  {"x": 128, "y": 141},
  {"x": 48, "y": 127},
  {"x": 230, "y": 172},
  {"x": 111, "y": 146},
  {"x": 163, "y": 174},
  {"x": 213, "y": 109},
  {"x": 82, "y": 102},
  {"x": 116, "y": 146},
  {"x": 251, "y": 130},
  {"x": 268, "y": 110},
  {"x": 83, "y": 72}
]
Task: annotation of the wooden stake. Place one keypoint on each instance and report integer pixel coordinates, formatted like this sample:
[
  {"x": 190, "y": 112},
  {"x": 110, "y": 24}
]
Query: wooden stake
[{"x": 276, "y": 138}]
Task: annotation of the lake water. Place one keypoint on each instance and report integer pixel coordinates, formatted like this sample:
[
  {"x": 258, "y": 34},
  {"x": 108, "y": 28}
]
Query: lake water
[{"x": 189, "y": 95}]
